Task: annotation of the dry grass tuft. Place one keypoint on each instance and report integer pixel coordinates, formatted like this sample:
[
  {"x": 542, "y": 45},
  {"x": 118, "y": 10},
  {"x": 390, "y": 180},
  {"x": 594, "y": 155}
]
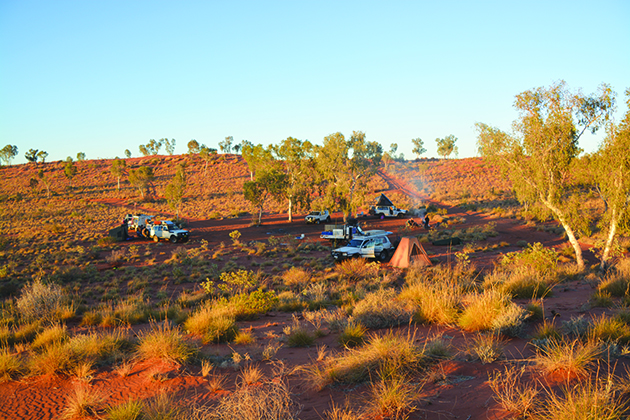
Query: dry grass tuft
[
  {"x": 164, "y": 342},
  {"x": 271, "y": 400},
  {"x": 84, "y": 402},
  {"x": 509, "y": 391},
  {"x": 569, "y": 359}
]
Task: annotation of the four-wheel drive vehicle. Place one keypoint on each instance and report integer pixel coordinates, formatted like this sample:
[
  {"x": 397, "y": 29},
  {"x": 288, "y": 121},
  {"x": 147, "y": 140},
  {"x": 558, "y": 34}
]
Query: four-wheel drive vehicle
[
  {"x": 168, "y": 231},
  {"x": 139, "y": 223},
  {"x": 387, "y": 211},
  {"x": 318, "y": 217},
  {"x": 378, "y": 247}
]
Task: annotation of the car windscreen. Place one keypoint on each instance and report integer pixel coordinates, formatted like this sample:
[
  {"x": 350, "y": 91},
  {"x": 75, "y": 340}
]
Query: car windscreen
[{"x": 355, "y": 243}]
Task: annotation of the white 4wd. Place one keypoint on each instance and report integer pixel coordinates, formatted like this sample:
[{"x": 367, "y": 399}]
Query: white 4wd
[
  {"x": 387, "y": 211},
  {"x": 168, "y": 231},
  {"x": 378, "y": 247},
  {"x": 318, "y": 217}
]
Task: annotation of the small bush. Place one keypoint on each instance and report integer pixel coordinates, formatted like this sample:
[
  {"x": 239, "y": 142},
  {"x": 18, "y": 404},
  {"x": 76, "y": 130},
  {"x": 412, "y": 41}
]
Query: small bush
[
  {"x": 39, "y": 301},
  {"x": 84, "y": 402},
  {"x": 535, "y": 256},
  {"x": 509, "y": 391},
  {"x": 487, "y": 348},
  {"x": 296, "y": 278}
]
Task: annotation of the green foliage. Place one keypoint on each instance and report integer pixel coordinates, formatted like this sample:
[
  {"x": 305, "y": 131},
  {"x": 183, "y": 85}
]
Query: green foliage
[
  {"x": 193, "y": 147},
  {"x": 226, "y": 145},
  {"x": 174, "y": 191},
  {"x": 151, "y": 148},
  {"x": 345, "y": 167},
  {"x": 238, "y": 282},
  {"x": 535, "y": 256},
  {"x": 418, "y": 146},
  {"x": 538, "y": 160},
  {"x": 353, "y": 335},
  {"x": 446, "y": 146},
  {"x": 7, "y": 153},
  {"x": 142, "y": 179},
  {"x": 164, "y": 342},
  {"x": 31, "y": 155},
  {"x": 80, "y": 157}
]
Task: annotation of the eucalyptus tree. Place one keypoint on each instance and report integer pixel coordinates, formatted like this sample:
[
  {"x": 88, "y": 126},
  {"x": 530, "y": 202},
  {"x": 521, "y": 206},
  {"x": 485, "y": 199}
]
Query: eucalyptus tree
[
  {"x": 537, "y": 157},
  {"x": 69, "y": 169},
  {"x": 175, "y": 190},
  {"x": 142, "y": 179},
  {"x": 152, "y": 147},
  {"x": 7, "y": 153},
  {"x": 31, "y": 155},
  {"x": 612, "y": 177},
  {"x": 226, "y": 145},
  {"x": 418, "y": 147},
  {"x": 42, "y": 155},
  {"x": 80, "y": 157},
  {"x": 257, "y": 157},
  {"x": 297, "y": 159},
  {"x": 269, "y": 183},
  {"x": 446, "y": 146},
  {"x": 345, "y": 167},
  {"x": 118, "y": 169},
  {"x": 193, "y": 147},
  {"x": 169, "y": 145}
]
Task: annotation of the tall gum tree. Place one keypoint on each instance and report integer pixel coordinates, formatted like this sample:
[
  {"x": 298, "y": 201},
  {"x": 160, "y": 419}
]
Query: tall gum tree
[
  {"x": 297, "y": 158},
  {"x": 612, "y": 177},
  {"x": 345, "y": 167},
  {"x": 538, "y": 157}
]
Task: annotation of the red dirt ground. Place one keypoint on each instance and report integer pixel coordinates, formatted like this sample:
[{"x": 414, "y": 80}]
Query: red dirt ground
[{"x": 460, "y": 390}]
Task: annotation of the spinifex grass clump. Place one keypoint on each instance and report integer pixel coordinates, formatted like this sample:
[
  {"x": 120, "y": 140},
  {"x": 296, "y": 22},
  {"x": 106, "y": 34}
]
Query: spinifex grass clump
[
  {"x": 381, "y": 309},
  {"x": 492, "y": 310},
  {"x": 164, "y": 342},
  {"x": 271, "y": 400},
  {"x": 215, "y": 323},
  {"x": 44, "y": 302},
  {"x": 568, "y": 359},
  {"x": 390, "y": 351}
]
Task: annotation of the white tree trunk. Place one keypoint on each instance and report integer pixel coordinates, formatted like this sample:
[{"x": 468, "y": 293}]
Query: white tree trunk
[
  {"x": 612, "y": 230},
  {"x": 579, "y": 259},
  {"x": 290, "y": 209}
]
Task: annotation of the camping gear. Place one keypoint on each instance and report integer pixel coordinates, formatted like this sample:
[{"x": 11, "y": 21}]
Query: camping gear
[
  {"x": 409, "y": 252},
  {"x": 448, "y": 241}
]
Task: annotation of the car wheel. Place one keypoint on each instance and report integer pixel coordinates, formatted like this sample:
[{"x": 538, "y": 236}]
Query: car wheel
[
  {"x": 382, "y": 256},
  {"x": 156, "y": 239},
  {"x": 145, "y": 232},
  {"x": 173, "y": 239},
  {"x": 328, "y": 219}
]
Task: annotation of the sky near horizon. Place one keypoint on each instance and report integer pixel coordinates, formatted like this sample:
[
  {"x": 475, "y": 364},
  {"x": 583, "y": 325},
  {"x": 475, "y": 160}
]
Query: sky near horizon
[{"x": 100, "y": 77}]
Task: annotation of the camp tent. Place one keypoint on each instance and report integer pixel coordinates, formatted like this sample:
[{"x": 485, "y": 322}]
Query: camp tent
[
  {"x": 409, "y": 251},
  {"x": 383, "y": 201}
]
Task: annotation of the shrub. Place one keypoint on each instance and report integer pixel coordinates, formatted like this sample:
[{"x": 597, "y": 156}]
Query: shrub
[
  {"x": 391, "y": 398},
  {"x": 164, "y": 342},
  {"x": 39, "y": 301},
  {"x": 381, "y": 309},
  {"x": 535, "y": 256},
  {"x": 298, "y": 336},
  {"x": 436, "y": 303}
]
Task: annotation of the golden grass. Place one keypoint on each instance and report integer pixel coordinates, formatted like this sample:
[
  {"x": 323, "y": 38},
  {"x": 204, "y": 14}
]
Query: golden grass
[{"x": 164, "y": 342}]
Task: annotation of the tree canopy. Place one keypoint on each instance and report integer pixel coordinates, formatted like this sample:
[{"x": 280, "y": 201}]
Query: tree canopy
[
  {"x": 446, "y": 146},
  {"x": 7, "y": 153}
]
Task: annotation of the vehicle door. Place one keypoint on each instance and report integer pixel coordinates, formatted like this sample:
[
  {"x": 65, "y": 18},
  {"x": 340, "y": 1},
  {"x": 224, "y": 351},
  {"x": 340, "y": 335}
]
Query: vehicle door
[
  {"x": 378, "y": 246},
  {"x": 367, "y": 249}
]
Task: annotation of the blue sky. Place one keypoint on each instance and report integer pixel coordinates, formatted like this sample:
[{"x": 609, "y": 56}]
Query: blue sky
[{"x": 104, "y": 76}]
